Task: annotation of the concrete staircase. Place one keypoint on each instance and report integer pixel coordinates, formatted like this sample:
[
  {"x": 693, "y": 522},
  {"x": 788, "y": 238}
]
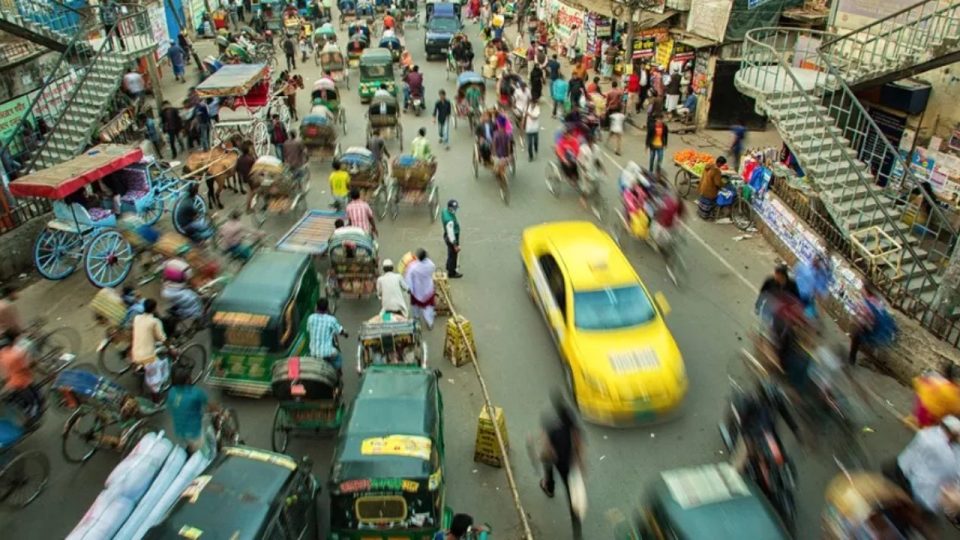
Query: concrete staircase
[
  {"x": 46, "y": 23},
  {"x": 859, "y": 176},
  {"x": 918, "y": 38},
  {"x": 98, "y": 67}
]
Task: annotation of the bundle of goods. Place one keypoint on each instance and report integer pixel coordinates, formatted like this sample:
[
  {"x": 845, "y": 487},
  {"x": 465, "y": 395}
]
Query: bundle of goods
[
  {"x": 317, "y": 129},
  {"x": 412, "y": 173},
  {"x": 108, "y": 307},
  {"x": 693, "y": 160},
  {"x": 364, "y": 171},
  {"x": 270, "y": 172},
  {"x": 140, "y": 490}
]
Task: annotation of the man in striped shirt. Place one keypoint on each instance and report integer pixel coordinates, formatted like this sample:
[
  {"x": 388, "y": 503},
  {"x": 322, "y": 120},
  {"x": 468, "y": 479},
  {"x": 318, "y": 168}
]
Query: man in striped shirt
[{"x": 360, "y": 214}]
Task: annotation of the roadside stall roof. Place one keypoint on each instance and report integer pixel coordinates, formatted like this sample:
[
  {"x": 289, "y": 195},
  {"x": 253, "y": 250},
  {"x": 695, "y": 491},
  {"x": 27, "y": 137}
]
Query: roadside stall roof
[
  {"x": 233, "y": 80},
  {"x": 234, "y": 498},
  {"x": 265, "y": 284},
  {"x": 396, "y": 403},
  {"x": 65, "y": 178}
]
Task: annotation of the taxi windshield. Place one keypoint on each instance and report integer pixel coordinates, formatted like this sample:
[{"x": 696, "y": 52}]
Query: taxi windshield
[
  {"x": 612, "y": 308},
  {"x": 446, "y": 25},
  {"x": 376, "y": 71}
]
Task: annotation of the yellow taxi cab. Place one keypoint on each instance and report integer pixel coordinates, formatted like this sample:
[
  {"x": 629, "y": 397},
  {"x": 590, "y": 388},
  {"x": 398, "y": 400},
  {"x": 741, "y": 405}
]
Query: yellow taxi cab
[{"x": 621, "y": 363}]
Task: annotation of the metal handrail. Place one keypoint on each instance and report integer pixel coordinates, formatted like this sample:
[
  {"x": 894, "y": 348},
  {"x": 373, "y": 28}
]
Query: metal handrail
[
  {"x": 38, "y": 7},
  {"x": 764, "y": 55},
  {"x": 64, "y": 60}
]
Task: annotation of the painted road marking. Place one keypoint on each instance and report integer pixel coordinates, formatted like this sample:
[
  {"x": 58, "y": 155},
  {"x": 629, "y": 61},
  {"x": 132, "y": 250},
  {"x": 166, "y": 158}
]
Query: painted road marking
[{"x": 749, "y": 284}]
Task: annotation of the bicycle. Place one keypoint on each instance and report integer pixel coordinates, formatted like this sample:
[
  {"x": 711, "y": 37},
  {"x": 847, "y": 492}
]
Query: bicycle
[
  {"x": 87, "y": 428},
  {"x": 226, "y": 428},
  {"x": 51, "y": 351}
]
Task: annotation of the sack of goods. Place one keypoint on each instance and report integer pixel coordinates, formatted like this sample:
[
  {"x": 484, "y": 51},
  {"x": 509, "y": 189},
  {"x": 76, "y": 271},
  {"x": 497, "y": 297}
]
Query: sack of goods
[
  {"x": 267, "y": 166},
  {"x": 108, "y": 305}
]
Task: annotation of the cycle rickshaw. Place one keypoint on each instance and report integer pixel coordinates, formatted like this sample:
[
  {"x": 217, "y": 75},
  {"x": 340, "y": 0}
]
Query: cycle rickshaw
[
  {"x": 86, "y": 232},
  {"x": 23, "y": 475},
  {"x": 324, "y": 35},
  {"x": 455, "y": 65},
  {"x": 355, "y": 47},
  {"x": 470, "y": 98},
  {"x": 280, "y": 189},
  {"x": 309, "y": 391},
  {"x": 354, "y": 266},
  {"x": 504, "y": 169},
  {"x": 396, "y": 342},
  {"x": 348, "y": 11},
  {"x": 392, "y": 44},
  {"x": 319, "y": 135},
  {"x": 384, "y": 115},
  {"x": 359, "y": 27},
  {"x": 413, "y": 182},
  {"x": 367, "y": 176},
  {"x": 557, "y": 175},
  {"x": 331, "y": 60},
  {"x": 408, "y": 13},
  {"x": 325, "y": 94}
]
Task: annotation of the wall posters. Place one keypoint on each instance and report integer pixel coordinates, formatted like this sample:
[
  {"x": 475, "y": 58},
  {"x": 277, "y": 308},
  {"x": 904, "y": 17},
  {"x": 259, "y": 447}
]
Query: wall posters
[
  {"x": 158, "y": 24},
  {"x": 645, "y": 42},
  {"x": 197, "y": 9},
  {"x": 664, "y": 51},
  {"x": 10, "y": 114},
  {"x": 566, "y": 17},
  {"x": 701, "y": 66}
]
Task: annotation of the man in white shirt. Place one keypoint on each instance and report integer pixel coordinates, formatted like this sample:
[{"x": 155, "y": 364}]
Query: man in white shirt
[
  {"x": 930, "y": 464},
  {"x": 531, "y": 126},
  {"x": 148, "y": 334},
  {"x": 133, "y": 84},
  {"x": 617, "y": 119},
  {"x": 391, "y": 289}
]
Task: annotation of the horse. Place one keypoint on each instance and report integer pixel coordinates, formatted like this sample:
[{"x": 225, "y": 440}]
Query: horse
[{"x": 219, "y": 166}]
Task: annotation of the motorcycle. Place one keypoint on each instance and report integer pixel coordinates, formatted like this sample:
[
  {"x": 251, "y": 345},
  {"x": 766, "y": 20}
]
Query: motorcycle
[{"x": 415, "y": 101}]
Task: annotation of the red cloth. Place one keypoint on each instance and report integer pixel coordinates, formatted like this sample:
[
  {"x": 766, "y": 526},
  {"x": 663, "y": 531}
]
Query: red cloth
[
  {"x": 568, "y": 144},
  {"x": 633, "y": 83},
  {"x": 425, "y": 303}
]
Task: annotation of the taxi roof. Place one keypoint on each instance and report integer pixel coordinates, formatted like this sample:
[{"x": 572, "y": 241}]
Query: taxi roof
[{"x": 590, "y": 257}]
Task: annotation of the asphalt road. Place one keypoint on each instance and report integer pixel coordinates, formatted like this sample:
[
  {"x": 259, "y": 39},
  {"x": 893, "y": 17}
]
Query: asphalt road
[{"x": 711, "y": 315}]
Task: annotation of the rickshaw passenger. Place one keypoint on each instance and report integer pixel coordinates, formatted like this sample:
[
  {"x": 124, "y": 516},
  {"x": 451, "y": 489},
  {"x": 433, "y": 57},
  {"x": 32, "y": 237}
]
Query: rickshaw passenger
[
  {"x": 183, "y": 303},
  {"x": 323, "y": 329},
  {"x": 420, "y": 147},
  {"x": 502, "y": 141},
  {"x": 484, "y": 134},
  {"x": 193, "y": 222},
  {"x": 134, "y": 303},
  {"x": 389, "y": 33},
  {"x": 232, "y": 235},
  {"x": 382, "y": 92},
  {"x": 568, "y": 149},
  {"x": 414, "y": 86},
  {"x": 18, "y": 377}
]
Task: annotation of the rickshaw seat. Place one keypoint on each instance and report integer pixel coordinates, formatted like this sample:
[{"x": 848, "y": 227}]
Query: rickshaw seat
[
  {"x": 258, "y": 96},
  {"x": 86, "y": 218},
  {"x": 10, "y": 433},
  {"x": 137, "y": 186}
]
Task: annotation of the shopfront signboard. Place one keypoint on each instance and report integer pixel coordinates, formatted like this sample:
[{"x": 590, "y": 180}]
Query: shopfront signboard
[
  {"x": 567, "y": 17},
  {"x": 10, "y": 114},
  {"x": 682, "y": 52},
  {"x": 664, "y": 51},
  {"x": 709, "y": 18},
  {"x": 645, "y": 42}
]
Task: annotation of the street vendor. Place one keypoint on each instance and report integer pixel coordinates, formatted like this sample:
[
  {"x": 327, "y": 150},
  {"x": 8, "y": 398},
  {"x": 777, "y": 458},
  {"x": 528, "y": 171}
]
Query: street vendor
[{"x": 710, "y": 184}]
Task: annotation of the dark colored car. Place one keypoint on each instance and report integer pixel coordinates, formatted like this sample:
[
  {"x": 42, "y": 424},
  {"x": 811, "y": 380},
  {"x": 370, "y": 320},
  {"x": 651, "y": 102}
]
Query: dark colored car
[{"x": 441, "y": 28}]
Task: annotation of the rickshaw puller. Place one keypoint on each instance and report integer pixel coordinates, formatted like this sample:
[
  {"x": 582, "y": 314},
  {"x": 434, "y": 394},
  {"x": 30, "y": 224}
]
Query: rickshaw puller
[{"x": 323, "y": 329}]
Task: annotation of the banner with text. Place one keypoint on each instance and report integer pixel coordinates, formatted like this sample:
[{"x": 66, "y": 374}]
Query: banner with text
[
  {"x": 645, "y": 42},
  {"x": 10, "y": 114}
]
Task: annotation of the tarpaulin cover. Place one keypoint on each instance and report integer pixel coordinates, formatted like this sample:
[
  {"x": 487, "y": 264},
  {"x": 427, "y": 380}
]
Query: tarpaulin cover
[
  {"x": 233, "y": 80},
  {"x": 749, "y": 14},
  {"x": 65, "y": 178}
]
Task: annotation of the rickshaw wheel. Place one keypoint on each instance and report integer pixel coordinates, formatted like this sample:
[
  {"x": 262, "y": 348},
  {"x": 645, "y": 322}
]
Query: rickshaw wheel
[
  {"x": 400, "y": 132},
  {"x": 281, "y": 433},
  {"x": 434, "y": 204},
  {"x": 198, "y": 203},
  {"x": 56, "y": 254},
  {"x": 393, "y": 201},
  {"x": 333, "y": 300},
  {"x": 552, "y": 178},
  {"x": 741, "y": 214},
  {"x": 153, "y": 212},
  {"x": 342, "y": 118},
  {"x": 380, "y": 200},
  {"x": 84, "y": 428},
  {"x": 316, "y": 56},
  {"x": 193, "y": 357},
  {"x": 23, "y": 478},
  {"x": 346, "y": 78},
  {"x": 108, "y": 259},
  {"x": 476, "y": 162}
]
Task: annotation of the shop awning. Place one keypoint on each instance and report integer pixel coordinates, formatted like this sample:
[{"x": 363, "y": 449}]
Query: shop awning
[
  {"x": 606, "y": 8},
  {"x": 649, "y": 19},
  {"x": 692, "y": 40}
]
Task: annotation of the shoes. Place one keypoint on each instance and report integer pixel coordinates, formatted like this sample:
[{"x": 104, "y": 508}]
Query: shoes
[{"x": 455, "y": 275}]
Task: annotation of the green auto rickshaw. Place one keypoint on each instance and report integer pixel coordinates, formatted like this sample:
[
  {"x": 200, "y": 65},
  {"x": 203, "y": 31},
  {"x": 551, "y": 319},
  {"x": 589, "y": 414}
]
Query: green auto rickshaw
[
  {"x": 386, "y": 480},
  {"x": 259, "y": 318},
  {"x": 708, "y": 501},
  {"x": 376, "y": 68},
  {"x": 246, "y": 493}
]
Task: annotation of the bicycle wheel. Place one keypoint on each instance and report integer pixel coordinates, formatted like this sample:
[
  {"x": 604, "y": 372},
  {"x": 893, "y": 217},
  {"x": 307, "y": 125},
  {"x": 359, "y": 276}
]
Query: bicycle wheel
[
  {"x": 53, "y": 346},
  {"x": 741, "y": 214},
  {"x": 683, "y": 181},
  {"x": 552, "y": 178},
  {"x": 131, "y": 437},
  {"x": 227, "y": 429},
  {"x": 194, "y": 358},
  {"x": 113, "y": 356},
  {"x": 81, "y": 435},
  {"x": 23, "y": 478},
  {"x": 281, "y": 432}
]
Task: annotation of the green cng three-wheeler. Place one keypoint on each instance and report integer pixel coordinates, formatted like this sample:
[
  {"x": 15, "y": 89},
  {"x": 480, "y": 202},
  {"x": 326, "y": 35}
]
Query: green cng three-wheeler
[
  {"x": 259, "y": 318},
  {"x": 386, "y": 481},
  {"x": 376, "y": 68}
]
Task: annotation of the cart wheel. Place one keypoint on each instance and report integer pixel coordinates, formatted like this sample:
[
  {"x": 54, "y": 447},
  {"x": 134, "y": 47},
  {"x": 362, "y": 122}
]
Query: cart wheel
[
  {"x": 108, "y": 259},
  {"x": 741, "y": 214},
  {"x": 193, "y": 358},
  {"x": 552, "y": 178},
  {"x": 131, "y": 437},
  {"x": 23, "y": 478},
  {"x": 393, "y": 201},
  {"x": 281, "y": 431},
  {"x": 56, "y": 254},
  {"x": 683, "y": 181},
  {"x": 476, "y": 162},
  {"x": 197, "y": 202},
  {"x": 434, "y": 204},
  {"x": 152, "y": 213},
  {"x": 380, "y": 202},
  {"x": 81, "y": 435}
]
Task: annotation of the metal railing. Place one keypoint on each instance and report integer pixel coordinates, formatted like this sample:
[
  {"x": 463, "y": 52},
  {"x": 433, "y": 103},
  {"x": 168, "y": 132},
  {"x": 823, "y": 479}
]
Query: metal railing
[
  {"x": 50, "y": 14},
  {"x": 11, "y": 53},
  {"x": 925, "y": 313},
  {"x": 856, "y": 197},
  {"x": 882, "y": 45}
]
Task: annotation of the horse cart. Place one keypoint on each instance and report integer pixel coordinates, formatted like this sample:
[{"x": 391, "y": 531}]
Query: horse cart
[
  {"x": 84, "y": 229},
  {"x": 246, "y": 103},
  {"x": 413, "y": 182}
]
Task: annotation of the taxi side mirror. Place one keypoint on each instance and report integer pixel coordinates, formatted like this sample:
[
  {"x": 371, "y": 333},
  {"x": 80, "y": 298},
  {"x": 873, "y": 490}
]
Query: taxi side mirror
[{"x": 662, "y": 303}]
